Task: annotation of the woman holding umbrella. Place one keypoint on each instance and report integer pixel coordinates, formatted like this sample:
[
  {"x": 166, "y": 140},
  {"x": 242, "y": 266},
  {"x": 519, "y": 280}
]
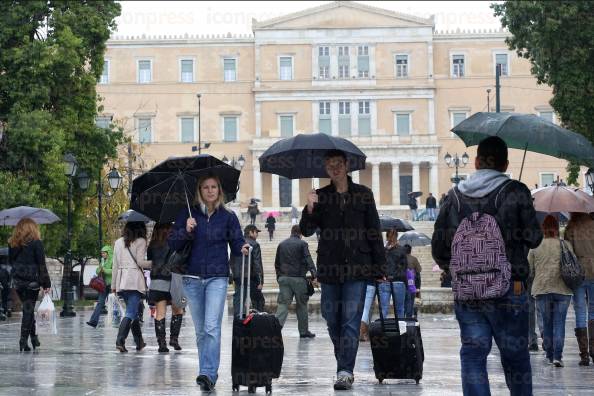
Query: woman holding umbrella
[
  {"x": 27, "y": 258},
  {"x": 210, "y": 229}
]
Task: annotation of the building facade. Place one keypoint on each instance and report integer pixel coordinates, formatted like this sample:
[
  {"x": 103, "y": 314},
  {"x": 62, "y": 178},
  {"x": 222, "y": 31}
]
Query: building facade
[{"x": 387, "y": 81}]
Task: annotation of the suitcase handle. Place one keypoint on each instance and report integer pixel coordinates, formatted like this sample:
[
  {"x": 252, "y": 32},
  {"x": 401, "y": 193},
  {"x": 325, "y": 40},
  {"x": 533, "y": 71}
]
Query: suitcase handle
[
  {"x": 248, "y": 300},
  {"x": 379, "y": 303}
]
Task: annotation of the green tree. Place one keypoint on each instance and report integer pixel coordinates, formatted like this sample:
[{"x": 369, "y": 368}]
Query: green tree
[
  {"x": 558, "y": 39},
  {"x": 51, "y": 56}
]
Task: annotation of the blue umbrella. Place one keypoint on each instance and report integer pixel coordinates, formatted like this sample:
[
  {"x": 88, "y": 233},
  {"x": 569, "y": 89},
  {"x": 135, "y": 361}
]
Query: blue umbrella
[{"x": 10, "y": 217}]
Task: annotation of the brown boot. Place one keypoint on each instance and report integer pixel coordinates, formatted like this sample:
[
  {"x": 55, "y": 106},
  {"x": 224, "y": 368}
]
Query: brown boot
[
  {"x": 364, "y": 332},
  {"x": 582, "y": 339},
  {"x": 591, "y": 332}
]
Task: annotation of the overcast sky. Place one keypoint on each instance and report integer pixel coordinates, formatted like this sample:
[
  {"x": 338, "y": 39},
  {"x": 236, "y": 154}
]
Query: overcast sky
[{"x": 210, "y": 17}]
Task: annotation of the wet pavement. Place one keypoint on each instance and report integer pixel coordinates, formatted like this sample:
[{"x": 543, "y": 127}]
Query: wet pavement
[{"x": 84, "y": 361}]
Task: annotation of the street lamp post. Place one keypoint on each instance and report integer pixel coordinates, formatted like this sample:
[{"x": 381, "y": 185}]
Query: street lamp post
[
  {"x": 238, "y": 163},
  {"x": 456, "y": 162},
  {"x": 70, "y": 167}
]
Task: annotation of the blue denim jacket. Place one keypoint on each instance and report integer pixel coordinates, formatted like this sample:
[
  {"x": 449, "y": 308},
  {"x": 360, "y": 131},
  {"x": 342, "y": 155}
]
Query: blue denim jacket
[{"x": 210, "y": 239}]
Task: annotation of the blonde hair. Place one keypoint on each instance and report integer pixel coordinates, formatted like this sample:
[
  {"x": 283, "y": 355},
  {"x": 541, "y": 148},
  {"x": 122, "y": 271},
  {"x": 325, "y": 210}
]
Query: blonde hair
[
  {"x": 220, "y": 202},
  {"x": 25, "y": 231}
]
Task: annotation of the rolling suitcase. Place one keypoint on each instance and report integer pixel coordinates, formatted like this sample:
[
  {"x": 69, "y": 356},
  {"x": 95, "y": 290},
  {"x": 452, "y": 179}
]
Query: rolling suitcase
[
  {"x": 396, "y": 346},
  {"x": 257, "y": 351}
]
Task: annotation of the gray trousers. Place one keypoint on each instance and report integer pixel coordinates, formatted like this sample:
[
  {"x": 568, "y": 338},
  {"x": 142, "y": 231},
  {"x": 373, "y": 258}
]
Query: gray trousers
[{"x": 290, "y": 286}]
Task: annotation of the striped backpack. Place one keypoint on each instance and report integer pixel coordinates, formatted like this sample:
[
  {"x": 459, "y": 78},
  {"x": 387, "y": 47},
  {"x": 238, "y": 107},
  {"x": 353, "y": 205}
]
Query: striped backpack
[{"x": 479, "y": 265}]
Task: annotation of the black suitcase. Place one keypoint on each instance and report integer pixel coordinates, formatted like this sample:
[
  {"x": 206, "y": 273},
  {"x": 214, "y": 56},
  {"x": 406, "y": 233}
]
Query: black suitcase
[
  {"x": 257, "y": 351},
  {"x": 396, "y": 354}
]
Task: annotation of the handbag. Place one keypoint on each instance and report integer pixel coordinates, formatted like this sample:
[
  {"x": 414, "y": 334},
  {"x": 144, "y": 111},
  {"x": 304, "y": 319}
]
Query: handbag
[
  {"x": 178, "y": 260},
  {"x": 98, "y": 283},
  {"x": 572, "y": 272}
]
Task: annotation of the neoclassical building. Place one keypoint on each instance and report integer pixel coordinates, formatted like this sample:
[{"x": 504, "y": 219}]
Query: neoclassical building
[{"x": 385, "y": 80}]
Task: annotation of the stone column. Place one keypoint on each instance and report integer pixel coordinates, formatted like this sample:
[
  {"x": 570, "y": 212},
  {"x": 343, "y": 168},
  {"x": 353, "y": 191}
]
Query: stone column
[
  {"x": 316, "y": 182},
  {"x": 434, "y": 180},
  {"x": 355, "y": 176},
  {"x": 416, "y": 176},
  {"x": 275, "y": 192},
  {"x": 375, "y": 180},
  {"x": 295, "y": 197},
  {"x": 257, "y": 180},
  {"x": 395, "y": 183}
]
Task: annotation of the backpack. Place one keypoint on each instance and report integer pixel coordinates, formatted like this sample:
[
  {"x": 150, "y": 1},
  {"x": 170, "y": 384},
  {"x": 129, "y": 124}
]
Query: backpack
[{"x": 479, "y": 265}]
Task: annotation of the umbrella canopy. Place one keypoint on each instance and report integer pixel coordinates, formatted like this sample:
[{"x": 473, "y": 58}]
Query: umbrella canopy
[
  {"x": 527, "y": 132},
  {"x": 562, "y": 217},
  {"x": 414, "y": 238},
  {"x": 10, "y": 217},
  {"x": 415, "y": 194},
  {"x": 391, "y": 223},
  {"x": 302, "y": 156},
  {"x": 561, "y": 199},
  {"x": 162, "y": 192},
  {"x": 130, "y": 216}
]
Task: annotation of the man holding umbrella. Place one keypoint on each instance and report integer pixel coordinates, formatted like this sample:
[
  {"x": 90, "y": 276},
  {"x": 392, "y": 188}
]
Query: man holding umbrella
[{"x": 350, "y": 253}]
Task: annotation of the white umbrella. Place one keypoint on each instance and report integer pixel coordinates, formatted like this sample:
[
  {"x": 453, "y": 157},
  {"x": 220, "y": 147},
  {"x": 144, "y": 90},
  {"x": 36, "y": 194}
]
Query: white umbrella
[{"x": 10, "y": 217}]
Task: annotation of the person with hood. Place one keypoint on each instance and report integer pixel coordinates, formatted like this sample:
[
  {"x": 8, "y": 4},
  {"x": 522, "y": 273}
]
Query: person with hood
[
  {"x": 27, "y": 258},
  {"x": 104, "y": 271},
  {"x": 516, "y": 229}
]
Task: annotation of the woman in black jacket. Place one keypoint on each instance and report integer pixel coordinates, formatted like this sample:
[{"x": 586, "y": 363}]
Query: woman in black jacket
[
  {"x": 270, "y": 225},
  {"x": 160, "y": 289},
  {"x": 29, "y": 275},
  {"x": 396, "y": 264}
]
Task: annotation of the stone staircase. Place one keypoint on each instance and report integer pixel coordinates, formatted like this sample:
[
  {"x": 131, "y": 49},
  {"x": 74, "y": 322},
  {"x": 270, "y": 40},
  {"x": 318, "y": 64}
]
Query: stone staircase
[{"x": 434, "y": 297}]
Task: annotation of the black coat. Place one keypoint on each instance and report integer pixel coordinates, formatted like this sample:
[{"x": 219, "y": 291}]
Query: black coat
[
  {"x": 293, "y": 258},
  {"x": 350, "y": 245},
  {"x": 412, "y": 203},
  {"x": 431, "y": 203},
  {"x": 28, "y": 265},
  {"x": 396, "y": 264},
  {"x": 270, "y": 223},
  {"x": 516, "y": 219},
  {"x": 159, "y": 255}
]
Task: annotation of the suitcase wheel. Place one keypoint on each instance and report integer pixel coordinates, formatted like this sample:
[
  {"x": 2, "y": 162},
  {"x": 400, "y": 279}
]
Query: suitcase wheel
[
  {"x": 251, "y": 389},
  {"x": 235, "y": 388},
  {"x": 381, "y": 380}
]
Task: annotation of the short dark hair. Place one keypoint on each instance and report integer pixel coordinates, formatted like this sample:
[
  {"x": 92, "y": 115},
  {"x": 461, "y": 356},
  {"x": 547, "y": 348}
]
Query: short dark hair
[
  {"x": 296, "y": 230},
  {"x": 335, "y": 153},
  {"x": 408, "y": 249},
  {"x": 492, "y": 153},
  {"x": 132, "y": 231}
]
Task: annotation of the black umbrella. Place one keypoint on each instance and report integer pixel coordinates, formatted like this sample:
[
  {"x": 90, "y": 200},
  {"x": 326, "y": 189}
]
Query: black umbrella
[
  {"x": 10, "y": 217},
  {"x": 415, "y": 194},
  {"x": 130, "y": 216},
  {"x": 527, "y": 132},
  {"x": 302, "y": 156},
  {"x": 414, "y": 238},
  {"x": 391, "y": 223},
  {"x": 170, "y": 186}
]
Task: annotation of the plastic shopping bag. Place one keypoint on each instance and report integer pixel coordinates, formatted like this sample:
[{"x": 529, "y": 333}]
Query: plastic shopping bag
[
  {"x": 115, "y": 310},
  {"x": 46, "y": 318}
]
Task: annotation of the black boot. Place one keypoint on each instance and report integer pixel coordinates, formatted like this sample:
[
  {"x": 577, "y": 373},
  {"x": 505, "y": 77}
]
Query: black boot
[
  {"x": 26, "y": 322},
  {"x": 176, "y": 322},
  {"x": 161, "y": 336},
  {"x": 137, "y": 334},
  {"x": 123, "y": 334},
  {"x": 34, "y": 338}
]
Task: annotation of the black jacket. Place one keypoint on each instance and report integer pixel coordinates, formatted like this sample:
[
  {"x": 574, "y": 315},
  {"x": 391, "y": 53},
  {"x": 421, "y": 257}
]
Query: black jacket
[
  {"x": 159, "y": 255},
  {"x": 350, "y": 245},
  {"x": 431, "y": 202},
  {"x": 28, "y": 265},
  {"x": 396, "y": 264},
  {"x": 516, "y": 219},
  {"x": 270, "y": 223},
  {"x": 293, "y": 258},
  {"x": 256, "y": 270},
  {"x": 412, "y": 203}
]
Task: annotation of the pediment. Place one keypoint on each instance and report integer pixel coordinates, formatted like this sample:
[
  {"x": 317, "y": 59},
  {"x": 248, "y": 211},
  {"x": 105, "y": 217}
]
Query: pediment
[{"x": 342, "y": 15}]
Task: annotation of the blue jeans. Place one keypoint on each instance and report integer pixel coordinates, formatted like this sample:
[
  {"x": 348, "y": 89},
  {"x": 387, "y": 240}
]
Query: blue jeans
[
  {"x": 431, "y": 212},
  {"x": 100, "y": 304},
  {"x": 206, "y": 300},
  {"x": 342, "y": 307},
  {"x": 583, "y": 304},
  {"x": 386, "y": 293},
  {"x": 413, "y": 215},
  {"x": 506, "y": 320},
  {"x": 368, "y": 307},
  {"x": 132, "y": 299},
  {"x": 553, "y": 308}
]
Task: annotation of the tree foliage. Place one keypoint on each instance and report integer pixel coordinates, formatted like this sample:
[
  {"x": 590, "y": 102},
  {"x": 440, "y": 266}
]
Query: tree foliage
[
  {"x": 51, "y": 56},
  {"x": 558, "y": 39}
]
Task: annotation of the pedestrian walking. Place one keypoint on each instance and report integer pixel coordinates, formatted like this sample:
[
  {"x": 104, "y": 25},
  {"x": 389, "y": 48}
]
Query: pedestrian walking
[
  {"x": 580, "y": 233},
  {"x": 160, "y": 290},
  {"x": 250, "y": 234},
  {"x": 103, "y": 270},
  {"x": 350, "y": 253},
  {"x": 396, "y": 265},
  {"x": 211, "y": 229},
  {"x": 431, "y": 205},
  {"x": 292, "y": 262},
  {"x": 27, "y": 258},
  {"x": 412, "y": 205},
  {"x": 414, "y": 265},
  {"x": 294, "y": 216},
  {"x": 551, "y": 293},
  {"x": 253, "y": 211},
  {"x": 270, "y": 225},
  {"x": 128, "y": 280},
  {"x": 489, "y": 205}
]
